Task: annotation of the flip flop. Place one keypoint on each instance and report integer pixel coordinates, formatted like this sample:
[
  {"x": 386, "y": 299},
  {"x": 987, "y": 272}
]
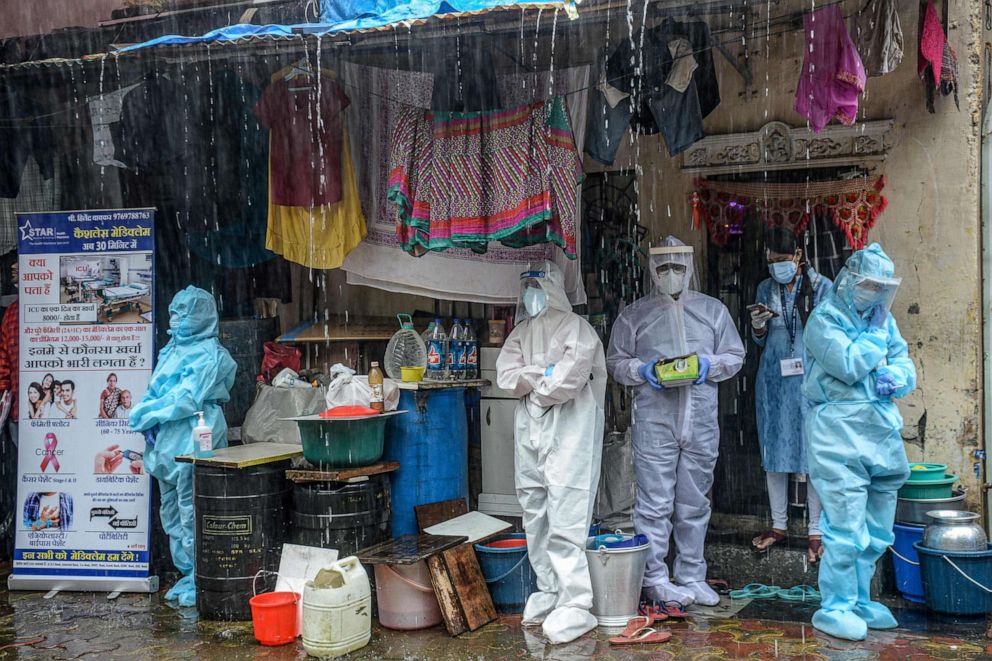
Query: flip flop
[
  {"x": 719, "y": 585},
  {"x": 643, "y": 636},
  {"x": 815, "y": 546},
  {"x": 635, "y": 624},
  {"x": 775, "y": 536}
]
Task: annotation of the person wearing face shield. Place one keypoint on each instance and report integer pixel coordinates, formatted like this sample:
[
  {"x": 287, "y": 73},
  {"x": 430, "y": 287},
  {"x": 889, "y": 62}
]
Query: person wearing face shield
[
  {"x": 194, "y": 373},
  {"x": 783, "y": 304},
  {"x": 857, "y": 362},
  {"x": 676, "y": 433},
  {"x": 554, "y": 362}
]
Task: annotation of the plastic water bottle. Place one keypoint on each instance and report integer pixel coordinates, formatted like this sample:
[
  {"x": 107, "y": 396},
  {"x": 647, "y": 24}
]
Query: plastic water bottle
[
  {"x": 437, "y": 353},
  {"x": 405, "y": 349},
  {"x": 456, "y": 352},
  {"x": 471, "y": 351},
  {"x": 426, "y": 335}
]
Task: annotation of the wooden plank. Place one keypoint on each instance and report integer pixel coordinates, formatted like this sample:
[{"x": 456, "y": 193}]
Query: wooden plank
[
  {"x": 444, "y": 385},
  {"x": 474, "y": 525},
  {"x": 243, "y": 456},
  {"x": 431, "y": 514},
  {"x": 407, "y": 549},
  {"x": 476, "y": 603},
  {"x": 341, "y": 474},
  {"x": 447, "y": 595}
]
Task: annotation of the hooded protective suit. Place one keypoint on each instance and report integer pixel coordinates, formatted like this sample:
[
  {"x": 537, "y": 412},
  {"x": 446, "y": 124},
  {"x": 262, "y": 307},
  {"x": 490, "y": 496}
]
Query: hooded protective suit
[
  {"x": 676, "y": 433},
  {"x": 553, "y": 360},
  {"x": 857, "y": 461},
  {"x": 194, "y": 373}
]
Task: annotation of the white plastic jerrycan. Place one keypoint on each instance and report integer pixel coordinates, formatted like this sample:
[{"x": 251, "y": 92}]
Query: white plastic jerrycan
[{"x": 337, "y": 610}]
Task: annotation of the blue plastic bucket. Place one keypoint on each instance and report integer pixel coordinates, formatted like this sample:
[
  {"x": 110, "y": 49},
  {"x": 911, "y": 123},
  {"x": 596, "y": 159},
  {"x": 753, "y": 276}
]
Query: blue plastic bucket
[
  {"x": 907, "y": 563},
  {"x": 507, "y": 571},
  {"x": 957, "y": 582}
]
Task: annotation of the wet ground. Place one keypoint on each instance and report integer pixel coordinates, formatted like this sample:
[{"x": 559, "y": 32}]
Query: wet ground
[{"x": 89, "y": 626}]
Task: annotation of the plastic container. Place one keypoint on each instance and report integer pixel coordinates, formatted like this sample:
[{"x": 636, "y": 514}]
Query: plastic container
[
  {"x": 405, "y": 597},
  {"x": 928, "y": 489},
  {"x": 507, "y": 571},
  {"x": 616, "y": 576},
  {"x": 957, "y": 582},
  {"x": 437, "y": 353},
  {"x": 918, "y": 472},
  {"x": 430, "y": 443},
  {"x": 275, "y": 617},
  {"x": 337, "y": 610},
  {"x": 906, "y": 562},
  {"x": 331, "y": 443},
  {"x": 405, "y": 349},
  {"x": 412, "y": 374},
  {"x": 203, "y": 438}
]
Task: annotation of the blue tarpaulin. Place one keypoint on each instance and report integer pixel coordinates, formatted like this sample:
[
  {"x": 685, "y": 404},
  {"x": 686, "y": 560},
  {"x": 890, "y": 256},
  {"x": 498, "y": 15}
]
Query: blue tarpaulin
[{"x": 348, "y": 15}]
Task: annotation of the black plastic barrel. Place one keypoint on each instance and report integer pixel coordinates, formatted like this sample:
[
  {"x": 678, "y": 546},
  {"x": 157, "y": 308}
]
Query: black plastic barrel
[
  {"x": 245, "y": 340},
  {"x": 241, "y": 524},
  {"x": 343, "y": 516}
]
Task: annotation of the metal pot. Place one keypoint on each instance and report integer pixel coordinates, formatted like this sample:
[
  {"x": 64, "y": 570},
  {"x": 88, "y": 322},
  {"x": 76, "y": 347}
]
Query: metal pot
[
  {"x": 616, "y": 576},
  {"x": 913, "y": 511},
  {"x": 951, "y": 530}
]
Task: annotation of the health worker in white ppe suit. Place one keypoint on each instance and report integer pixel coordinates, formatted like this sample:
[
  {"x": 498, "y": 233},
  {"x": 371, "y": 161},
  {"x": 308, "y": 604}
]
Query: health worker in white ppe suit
[
  {"x": 554, "y": 362},
  {"x": 676, "y": 433}
]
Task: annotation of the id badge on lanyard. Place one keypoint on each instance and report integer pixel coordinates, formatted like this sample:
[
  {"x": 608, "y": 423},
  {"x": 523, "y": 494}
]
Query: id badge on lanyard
[{"x": 792, "y": 366}]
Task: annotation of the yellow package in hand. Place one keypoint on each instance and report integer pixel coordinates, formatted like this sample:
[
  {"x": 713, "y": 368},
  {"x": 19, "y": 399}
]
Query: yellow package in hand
[{"x": 675, "y": 372}]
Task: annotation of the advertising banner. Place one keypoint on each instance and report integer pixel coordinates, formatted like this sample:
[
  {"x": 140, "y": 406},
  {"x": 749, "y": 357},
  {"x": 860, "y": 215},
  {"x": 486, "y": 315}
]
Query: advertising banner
[{"x": 86, "y": 293}]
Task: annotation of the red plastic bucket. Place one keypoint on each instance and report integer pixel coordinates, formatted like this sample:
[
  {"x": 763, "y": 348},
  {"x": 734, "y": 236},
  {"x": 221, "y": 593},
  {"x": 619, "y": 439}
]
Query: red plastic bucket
[
  {"x": 506, "y": 544},
  {"x": 275, "y": 617}
]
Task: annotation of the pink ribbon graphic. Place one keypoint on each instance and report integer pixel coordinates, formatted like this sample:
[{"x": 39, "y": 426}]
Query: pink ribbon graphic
[{"x": 50, "y": 444}]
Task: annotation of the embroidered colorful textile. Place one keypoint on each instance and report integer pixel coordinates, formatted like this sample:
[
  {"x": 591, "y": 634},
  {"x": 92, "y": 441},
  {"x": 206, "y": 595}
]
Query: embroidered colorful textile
[
  {"x": 853, "y": 205},
  {"x": 833, "y": 75},
  {"x": 461, "y": 180}
]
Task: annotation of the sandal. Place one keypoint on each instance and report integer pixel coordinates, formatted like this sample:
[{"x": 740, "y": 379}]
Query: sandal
[
  {"x": 719, "y": 585},
  {"x": 768, "y": 539},
  {"x": 640, "y": 622},
  {"x": 663, "y": 611},
  {"x": 642, "y": 636},
  {"x": 814, "y": 550}
]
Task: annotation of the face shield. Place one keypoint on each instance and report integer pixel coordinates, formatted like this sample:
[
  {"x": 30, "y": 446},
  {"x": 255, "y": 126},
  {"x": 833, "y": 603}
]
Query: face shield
[
  {"x": 533, "y": 296},
  {"x": 671, "y": 268},
  {"x": 869, "y": 292}
]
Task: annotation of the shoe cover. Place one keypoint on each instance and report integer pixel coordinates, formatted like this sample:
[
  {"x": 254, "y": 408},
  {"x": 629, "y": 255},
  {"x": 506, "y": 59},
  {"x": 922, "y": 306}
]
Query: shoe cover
[
  {"x": 702, "y": 593},
  {"x": 840, "y": 624},
  {"x": 669, "y": 592},
  {"x": 565, "y": 624},
  {"x": 876, "y": 615},
  {"x": 184, "y": 591},
  {"x": 538, "y": 606}
]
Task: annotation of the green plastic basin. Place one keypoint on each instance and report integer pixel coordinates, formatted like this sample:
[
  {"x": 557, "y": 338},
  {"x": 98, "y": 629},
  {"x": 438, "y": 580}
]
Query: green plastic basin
[
  {"x": 928, "y": 489},
  {"x": 344, "y": 443},
  {"x": 922, "y": 472}
]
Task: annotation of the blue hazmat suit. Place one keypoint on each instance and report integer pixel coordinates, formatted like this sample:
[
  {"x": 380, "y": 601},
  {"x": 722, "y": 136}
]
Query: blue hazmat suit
[
  {"x": 675, "y": 431},
  {"x": 857, "y": 461},
  {"x": 194, "y": 373}
]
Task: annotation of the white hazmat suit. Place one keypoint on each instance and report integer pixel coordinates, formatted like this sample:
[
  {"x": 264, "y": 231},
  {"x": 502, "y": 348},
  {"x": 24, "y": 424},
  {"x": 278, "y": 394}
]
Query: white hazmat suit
[
  {"x": 554, "y": 361},
  {"x": 676, "y": 432}
]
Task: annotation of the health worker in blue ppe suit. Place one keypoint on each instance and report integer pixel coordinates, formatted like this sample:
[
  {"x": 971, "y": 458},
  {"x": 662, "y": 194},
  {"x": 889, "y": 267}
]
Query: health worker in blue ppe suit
[
  {"x": 676, "y": 433},
  {"x": 857, "y": 363},
  {"x": 194, "y": 373},
  {"x": 783, "y": 305},
  {"x": 554, "y": 362}
]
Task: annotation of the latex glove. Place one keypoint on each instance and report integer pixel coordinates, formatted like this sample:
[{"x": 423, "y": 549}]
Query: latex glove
[
  {"x": 549, "y": 369},
  {"x": 886, "y": 385},
  {"x": 704, "y": 369},
  {"x": 759, "y": 318},
  {"x": 878, "y": 317},
  {"x": 647, "y": 373}
]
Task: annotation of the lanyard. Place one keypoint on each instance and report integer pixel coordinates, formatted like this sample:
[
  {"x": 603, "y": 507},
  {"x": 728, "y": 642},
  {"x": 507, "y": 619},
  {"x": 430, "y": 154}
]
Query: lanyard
[{"x": 790, "y": 321}]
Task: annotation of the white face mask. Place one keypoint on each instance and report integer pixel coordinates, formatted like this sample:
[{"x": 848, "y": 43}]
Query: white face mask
[
  {"x": 535, "y": 300},
  {"x": 671, "y": 283}
]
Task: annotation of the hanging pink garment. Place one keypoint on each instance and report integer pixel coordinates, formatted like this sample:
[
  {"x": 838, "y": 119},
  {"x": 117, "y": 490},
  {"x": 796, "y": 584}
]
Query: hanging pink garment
[
  {"x": 931, "y": 42},
  {"x": 833, "y": 75}
]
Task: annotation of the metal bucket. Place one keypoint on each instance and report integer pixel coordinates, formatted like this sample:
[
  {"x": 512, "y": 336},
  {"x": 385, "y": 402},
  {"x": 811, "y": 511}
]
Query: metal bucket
[{"x": 616, "y": 582}]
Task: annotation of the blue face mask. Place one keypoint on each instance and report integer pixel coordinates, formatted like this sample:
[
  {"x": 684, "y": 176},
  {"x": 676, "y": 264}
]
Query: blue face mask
[
  {"x": 783, "y": 272},
  {"x": 867, "y": 298}
]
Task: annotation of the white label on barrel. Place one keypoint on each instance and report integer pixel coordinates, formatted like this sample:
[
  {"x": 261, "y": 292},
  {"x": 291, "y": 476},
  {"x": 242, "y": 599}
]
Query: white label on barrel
[{"x": 227, "y": 525}]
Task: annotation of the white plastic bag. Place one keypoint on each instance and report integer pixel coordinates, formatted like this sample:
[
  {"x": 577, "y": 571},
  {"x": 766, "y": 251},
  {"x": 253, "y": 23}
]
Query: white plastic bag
[{"x": 350, "y": 389}]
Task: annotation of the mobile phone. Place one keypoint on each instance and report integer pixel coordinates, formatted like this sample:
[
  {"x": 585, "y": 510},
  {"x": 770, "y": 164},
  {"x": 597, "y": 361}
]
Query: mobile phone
[{"x": 761, "y": 307}]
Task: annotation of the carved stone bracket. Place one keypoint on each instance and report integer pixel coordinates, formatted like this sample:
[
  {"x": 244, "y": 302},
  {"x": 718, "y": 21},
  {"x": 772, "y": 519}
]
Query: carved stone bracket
[{"x": 777, "y": 146}]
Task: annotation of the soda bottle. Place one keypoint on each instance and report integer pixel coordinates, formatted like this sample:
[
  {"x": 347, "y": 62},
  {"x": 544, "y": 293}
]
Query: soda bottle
[
  {"x": 377, "y": 401},
  {"x": 456, "y": 352},
  {"x": 437, "y": 353},
  {"x": 471, "y": 351}
]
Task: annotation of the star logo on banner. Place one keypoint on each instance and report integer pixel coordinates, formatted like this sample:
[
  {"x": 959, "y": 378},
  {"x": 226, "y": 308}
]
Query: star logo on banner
[{"x": 27, "y": 234}]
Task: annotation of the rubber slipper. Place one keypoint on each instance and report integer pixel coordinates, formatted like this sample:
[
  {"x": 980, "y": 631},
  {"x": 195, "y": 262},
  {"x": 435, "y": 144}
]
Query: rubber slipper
[
  {"x": 814, "y": 550},
  {"x": 643, "y": 636},
  {"x": 772, "y": 535},
  {"x": 660, "y": 612},
  {"x": 641, "y": 621},
  {"x": 719, "y": 585},
  {"x": 675, "y": 610}
]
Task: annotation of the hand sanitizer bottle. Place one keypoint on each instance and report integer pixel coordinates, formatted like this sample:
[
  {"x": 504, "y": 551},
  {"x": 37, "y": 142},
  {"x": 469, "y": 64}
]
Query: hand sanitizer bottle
[{"x": 203, "y": 438}]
